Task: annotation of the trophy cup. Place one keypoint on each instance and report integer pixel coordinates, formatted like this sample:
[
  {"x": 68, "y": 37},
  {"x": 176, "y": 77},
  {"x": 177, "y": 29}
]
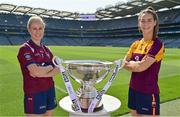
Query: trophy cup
[{"x": 88, "y": 73}]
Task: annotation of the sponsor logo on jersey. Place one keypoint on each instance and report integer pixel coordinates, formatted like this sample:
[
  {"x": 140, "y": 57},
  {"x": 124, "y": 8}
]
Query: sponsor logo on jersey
[{"x": 27, "y": 56}]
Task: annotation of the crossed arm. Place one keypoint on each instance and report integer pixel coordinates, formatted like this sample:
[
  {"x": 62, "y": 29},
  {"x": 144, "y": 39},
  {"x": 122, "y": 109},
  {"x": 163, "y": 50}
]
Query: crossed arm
[
  {"x": 138, "y": 66},
  {"x": 38, "y": 71}
]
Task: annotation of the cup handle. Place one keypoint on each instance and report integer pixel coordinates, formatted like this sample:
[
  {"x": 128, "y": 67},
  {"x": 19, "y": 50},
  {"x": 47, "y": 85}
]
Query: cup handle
[
  {"x": 58, "y": 63},
  {"x": 120, "y": 63}
]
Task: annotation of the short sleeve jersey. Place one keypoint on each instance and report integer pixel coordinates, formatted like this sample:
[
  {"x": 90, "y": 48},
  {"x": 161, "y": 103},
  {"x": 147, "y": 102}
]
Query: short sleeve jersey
[
  {"x": 30, "y": 53},
  {"x": 146, "y": 81}
]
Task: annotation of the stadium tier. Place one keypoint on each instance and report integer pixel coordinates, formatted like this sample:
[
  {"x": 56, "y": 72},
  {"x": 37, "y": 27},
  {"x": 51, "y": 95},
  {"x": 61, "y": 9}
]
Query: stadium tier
[{"x": 116, "y": 32}]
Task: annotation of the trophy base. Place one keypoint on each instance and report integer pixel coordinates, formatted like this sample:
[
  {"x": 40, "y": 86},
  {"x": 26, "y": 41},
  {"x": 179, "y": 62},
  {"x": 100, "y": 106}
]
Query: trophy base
[{"x": 95, "y": 109}]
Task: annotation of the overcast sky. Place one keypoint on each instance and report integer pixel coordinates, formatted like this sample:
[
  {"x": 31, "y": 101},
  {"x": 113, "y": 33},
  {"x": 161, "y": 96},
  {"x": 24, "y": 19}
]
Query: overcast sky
[{"x": 81, "y": 6}]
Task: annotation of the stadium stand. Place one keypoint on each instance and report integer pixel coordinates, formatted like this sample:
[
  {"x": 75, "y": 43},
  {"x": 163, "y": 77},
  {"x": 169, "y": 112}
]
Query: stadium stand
[
  {"x": 112, "y": 32},
  {"x": 4, "y": 40}
]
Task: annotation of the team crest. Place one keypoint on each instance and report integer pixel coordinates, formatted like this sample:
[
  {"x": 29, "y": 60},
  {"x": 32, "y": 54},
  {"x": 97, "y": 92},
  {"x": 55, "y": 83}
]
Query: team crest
[{"x": 136, "y": 58}]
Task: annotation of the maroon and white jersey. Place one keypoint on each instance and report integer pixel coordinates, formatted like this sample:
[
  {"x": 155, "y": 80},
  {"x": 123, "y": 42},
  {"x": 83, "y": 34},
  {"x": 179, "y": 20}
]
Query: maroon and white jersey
[{"x": 30, "y": 53}]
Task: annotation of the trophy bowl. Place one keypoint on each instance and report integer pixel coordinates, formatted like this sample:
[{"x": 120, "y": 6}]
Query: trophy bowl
[{"x": 88, "y": 73}]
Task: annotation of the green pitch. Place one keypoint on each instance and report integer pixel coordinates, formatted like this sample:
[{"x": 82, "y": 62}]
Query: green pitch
[{"x": 11, "y": 93}]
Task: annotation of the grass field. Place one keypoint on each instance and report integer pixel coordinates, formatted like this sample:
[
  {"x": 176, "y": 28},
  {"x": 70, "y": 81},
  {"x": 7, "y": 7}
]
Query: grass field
[{"x": 11, "y": 93}]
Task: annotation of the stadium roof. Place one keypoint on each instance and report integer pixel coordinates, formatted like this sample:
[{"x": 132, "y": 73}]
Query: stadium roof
[
  {"x": 133, "y": 7},
  {"x": 110, "y": 12}
]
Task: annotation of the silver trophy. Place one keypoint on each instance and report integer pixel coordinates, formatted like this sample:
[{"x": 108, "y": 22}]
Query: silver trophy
[{"x": 88, "y": 73}]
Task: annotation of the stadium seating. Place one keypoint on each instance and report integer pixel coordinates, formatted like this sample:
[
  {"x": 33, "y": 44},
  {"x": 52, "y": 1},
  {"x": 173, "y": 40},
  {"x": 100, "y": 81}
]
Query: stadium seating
[
  {"x": 117, "y": 32},
  {"x": 4, "y": 40}
]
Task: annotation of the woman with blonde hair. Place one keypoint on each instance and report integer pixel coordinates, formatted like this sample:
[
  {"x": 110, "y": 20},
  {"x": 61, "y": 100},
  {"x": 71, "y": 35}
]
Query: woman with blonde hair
[{"x": 37, "y": 69}]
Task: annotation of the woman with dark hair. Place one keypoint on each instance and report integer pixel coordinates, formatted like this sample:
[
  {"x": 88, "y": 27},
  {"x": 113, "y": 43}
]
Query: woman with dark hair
[{"x": 144, "y": 60}]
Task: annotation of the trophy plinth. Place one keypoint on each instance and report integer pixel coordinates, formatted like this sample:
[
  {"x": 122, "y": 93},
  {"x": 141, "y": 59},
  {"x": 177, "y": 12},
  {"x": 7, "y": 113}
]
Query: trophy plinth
[{"x": 88, "y": 73}]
